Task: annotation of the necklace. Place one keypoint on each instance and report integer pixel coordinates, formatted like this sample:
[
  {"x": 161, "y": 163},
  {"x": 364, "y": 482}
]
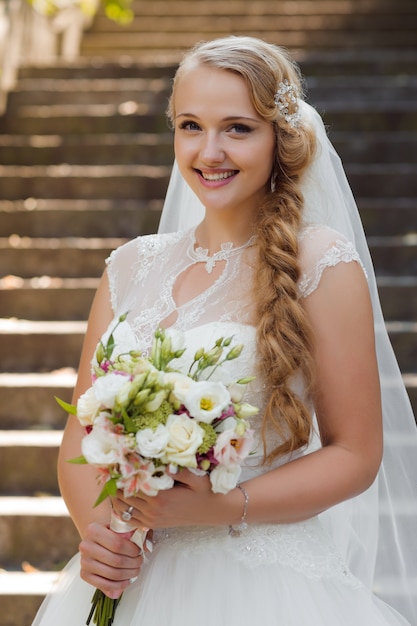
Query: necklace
[{"x": 201, "y": 255}]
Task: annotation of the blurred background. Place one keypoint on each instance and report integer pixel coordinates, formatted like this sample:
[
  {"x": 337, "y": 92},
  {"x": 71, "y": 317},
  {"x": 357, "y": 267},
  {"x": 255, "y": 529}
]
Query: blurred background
[{"x": 85, "y": 158}]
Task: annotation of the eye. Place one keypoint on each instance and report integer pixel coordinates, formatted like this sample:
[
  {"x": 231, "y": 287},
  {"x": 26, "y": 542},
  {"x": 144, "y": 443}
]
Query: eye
[
  {"x": 240, "y": 129},
  {"x": 189, "y": 125}
]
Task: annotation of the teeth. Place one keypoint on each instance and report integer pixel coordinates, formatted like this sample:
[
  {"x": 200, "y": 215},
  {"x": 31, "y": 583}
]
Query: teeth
[{"x": 217, "y": 175}]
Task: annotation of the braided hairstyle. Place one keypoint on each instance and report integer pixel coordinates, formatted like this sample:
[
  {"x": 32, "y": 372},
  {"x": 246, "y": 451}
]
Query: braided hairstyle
[{"x": 283, "y": 331}]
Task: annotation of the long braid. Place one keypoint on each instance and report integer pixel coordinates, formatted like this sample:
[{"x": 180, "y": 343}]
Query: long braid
[{"x": 284, "y": 335}]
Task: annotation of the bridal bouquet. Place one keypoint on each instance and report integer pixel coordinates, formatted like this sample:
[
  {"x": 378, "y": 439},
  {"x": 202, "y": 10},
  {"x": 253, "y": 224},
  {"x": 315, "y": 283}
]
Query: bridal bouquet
[{"x": 144, "y": 420}]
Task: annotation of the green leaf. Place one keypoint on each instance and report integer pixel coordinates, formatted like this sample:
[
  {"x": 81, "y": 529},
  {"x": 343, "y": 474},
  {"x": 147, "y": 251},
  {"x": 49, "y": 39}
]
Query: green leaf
[
  {"x": 109, "y": 489},
  {"x": 69, "y": 408},
  {"x": 78, "y": 460}
]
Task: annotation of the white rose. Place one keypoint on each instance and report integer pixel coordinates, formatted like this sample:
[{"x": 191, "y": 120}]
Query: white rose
[
  {"x": 185, "y": 437},
  {"x": 207, "y": 400},
  {"x": 151, "y": 444},
  {"x": 223, "y": 478},
  {"x": 88, "y": 407},
  {"x": 107, "y": 387}
]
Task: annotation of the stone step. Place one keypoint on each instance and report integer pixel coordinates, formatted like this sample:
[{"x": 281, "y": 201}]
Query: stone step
[
  {"x": 50, "y": 217},
  {"x": 59, "y": 299},
  {"x": 212, "y": 24},
  {"x": 40, "y": 346},
  {"x": 388, "y": 216},
  {"x": 339, "y": 61},
  {"x": 44, "y": 217},
  {"x": 84, "y": 181},
  {"x": 21, "y": 595},
  {"x": 62, "y": 258},
  {"x": 264, "y": 7},
  {"x": 388, "y": 179},
  {"x": 394, "y": 255},
  {"x": 146, "y": 91},
  {"x": 46, "y": 298},
  {"x": 34, "y": 449},
  {"x": 375, "y": 146},
  {"x": 33, "y": 346},
  {"x": 27, "y": 401},
  {"x": 313, "y": 36},
  {"x": 73, "y": 119},
  {"x": 37, "y": 530},
  {"x": 99, "y": 149}
]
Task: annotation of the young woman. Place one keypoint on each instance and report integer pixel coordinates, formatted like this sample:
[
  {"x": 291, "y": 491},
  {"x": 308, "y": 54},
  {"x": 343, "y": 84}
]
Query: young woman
[{"x": 278, "y": 260}]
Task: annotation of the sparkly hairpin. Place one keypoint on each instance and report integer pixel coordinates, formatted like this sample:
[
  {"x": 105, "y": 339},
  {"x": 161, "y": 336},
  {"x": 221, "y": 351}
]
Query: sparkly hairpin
[{"x": 287, "y": 93}]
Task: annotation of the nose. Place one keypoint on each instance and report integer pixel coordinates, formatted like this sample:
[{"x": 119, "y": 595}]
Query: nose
[{"x": 211, "y": 151}]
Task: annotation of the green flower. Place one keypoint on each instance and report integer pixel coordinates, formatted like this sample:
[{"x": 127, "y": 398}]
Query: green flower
[
  {"x": 153, "y": 419},
  {"x": 209, "y": 438}
]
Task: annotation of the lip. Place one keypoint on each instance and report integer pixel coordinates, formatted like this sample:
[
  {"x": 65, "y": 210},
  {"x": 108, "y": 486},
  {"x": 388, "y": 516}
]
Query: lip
[{"x": 216, "y": 178}]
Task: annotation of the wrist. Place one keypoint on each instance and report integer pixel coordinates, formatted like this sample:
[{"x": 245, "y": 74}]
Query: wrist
[{"x": 236, "y": 529}]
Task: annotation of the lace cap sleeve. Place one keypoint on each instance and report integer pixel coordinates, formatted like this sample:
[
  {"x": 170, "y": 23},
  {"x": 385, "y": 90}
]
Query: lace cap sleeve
[
  {"x": 322, "y": 247},
  {"x": 130, "y": 264}
]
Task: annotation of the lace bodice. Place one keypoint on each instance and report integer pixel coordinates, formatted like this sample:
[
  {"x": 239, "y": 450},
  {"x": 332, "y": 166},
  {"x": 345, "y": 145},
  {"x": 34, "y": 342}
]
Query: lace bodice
[
  {"x": 142, "y": 276},
  {"x": 143, "y": 273}
]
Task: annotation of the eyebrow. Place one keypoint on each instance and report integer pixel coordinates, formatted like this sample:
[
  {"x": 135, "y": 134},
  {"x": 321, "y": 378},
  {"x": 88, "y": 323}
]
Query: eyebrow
[{"x": 229, "y": 118}]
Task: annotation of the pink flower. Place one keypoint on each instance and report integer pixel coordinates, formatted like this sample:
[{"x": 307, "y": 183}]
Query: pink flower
[{"x": 231, "y": 448}]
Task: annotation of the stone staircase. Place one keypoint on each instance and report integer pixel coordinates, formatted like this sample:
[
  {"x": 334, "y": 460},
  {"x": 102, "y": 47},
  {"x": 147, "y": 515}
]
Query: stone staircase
[{"x": 85, "y": 155}]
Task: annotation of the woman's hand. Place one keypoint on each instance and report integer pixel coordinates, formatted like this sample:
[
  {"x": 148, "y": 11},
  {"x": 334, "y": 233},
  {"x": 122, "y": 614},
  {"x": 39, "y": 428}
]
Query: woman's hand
[
  {"x": 109, "y": 560},
  {"x": 191, "y": 502}
]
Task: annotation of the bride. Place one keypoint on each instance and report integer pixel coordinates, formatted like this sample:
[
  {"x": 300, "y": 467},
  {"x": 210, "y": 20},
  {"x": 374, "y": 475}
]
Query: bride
[{"x": 264, "y": 244}]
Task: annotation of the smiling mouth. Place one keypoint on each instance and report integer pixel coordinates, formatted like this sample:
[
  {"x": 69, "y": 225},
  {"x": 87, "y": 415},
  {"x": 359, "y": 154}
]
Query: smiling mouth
[{"x": 215, "y": 176}]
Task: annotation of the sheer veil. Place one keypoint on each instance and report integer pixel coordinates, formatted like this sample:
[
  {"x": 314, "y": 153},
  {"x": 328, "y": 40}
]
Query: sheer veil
[{"x": 375, "y": 531}]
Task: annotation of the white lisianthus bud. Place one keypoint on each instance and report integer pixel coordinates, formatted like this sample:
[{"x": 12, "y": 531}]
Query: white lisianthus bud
[
  {"x": 236, "y": 392},
  {"x": 245, "y": 410},
  {"x": 155, "y": 401},
  {"x": 235, "y": 352}
]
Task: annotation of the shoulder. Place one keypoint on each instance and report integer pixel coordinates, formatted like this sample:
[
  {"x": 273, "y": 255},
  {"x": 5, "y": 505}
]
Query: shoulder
[
  {"x": 321, "y": 247},
  {"x": 144, "y": 245}
]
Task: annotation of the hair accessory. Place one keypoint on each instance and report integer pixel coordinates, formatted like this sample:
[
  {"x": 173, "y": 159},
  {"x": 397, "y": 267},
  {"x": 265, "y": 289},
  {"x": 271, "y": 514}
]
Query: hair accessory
[
  {"x": 235, "y": 530},
  {"x": 288, "y": 94}
]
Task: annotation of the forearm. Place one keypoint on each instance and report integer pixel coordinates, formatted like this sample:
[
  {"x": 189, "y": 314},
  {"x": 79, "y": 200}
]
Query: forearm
[{"x": 309, "y": 485}]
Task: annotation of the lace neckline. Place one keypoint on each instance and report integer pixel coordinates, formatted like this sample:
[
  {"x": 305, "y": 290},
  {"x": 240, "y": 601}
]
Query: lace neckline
[{"x": 227, "y": 250}]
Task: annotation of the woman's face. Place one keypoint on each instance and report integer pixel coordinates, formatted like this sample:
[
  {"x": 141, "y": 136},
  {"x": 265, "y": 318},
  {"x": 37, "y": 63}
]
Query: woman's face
[{"x": 224, "y": 149}]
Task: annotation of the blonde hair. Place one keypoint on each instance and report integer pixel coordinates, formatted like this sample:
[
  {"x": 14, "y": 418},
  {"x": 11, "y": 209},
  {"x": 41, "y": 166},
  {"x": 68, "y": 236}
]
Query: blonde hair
[{"x": 284, "y": 335}]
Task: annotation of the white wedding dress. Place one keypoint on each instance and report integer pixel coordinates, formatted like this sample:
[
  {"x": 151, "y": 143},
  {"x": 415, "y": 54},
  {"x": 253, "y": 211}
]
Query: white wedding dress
[{"x": 273, "y": 575}]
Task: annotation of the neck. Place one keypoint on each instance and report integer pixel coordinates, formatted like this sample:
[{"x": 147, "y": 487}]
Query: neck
[{"x": 210, "y": 234}]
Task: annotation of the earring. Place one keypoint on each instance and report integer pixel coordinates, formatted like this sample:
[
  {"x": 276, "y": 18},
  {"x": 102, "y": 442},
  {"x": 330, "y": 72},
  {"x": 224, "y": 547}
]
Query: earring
[{"x": 273, "y": 182}]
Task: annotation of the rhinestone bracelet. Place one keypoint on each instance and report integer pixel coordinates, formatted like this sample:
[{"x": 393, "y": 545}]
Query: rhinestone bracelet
[{"x": 235, "y": 530}]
